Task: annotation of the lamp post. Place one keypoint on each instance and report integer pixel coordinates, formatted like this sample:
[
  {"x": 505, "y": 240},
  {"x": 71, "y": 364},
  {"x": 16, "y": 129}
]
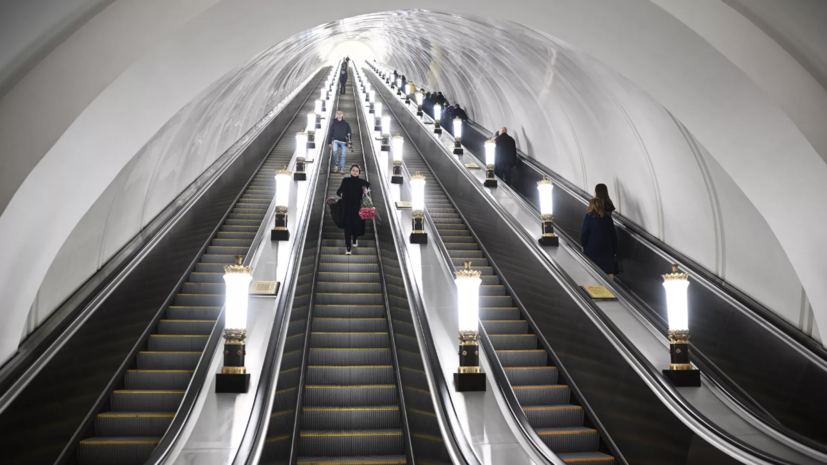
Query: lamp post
[
  {"x": 680, "y": 371},
  {"x": 234, "y": 377},
  {"x": 301, "y": 151},
  {"x": 377, "y": 113},
  {"x": 490, "y": 156},
  {"x": 419, "y": 104},
  {"x": 386, "y": 133},
  {"x": 398, "y": 142},
  {"x": 437, "y": 119},
  {"x": 408, "y": 92},
  {"x": 468, "y": 376},
  {"x": 280, "y": 232},
  {"x": 311, "y": 131},
  {"x": 418, "y": 234},
  {"x": 369, "y": 94},
  {"x": 545, "y": 188},
  {"x": 372, "y": 100},
  {"x": 322, "y": 98},
  {"x": 398, "y": 86},
  {"x": 318, "y": 111},
  {"x": 458, "y": 136}
]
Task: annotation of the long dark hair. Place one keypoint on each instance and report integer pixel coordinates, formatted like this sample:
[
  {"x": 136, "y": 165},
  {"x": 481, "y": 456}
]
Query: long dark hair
[
  {"x": 597, "y": 207},
  {"x": 602, "y": 192}
]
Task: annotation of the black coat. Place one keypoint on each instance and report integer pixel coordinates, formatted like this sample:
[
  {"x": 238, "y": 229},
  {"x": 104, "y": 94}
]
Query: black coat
[
  {"x": 599, "y": 240},
  {"x": 506, "y": 151},
  {"x": 440, "y": 99},
  {"x": 460, "y": 113},
  {"x": 339, "y": 130},
  {"x": 351, "y": 193},
  {"x": 343, "y": 76}
]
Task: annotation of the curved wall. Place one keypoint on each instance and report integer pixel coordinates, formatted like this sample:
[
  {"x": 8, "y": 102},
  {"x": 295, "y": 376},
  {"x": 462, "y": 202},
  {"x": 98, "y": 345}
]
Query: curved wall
[{"x": 603, "y": 127}]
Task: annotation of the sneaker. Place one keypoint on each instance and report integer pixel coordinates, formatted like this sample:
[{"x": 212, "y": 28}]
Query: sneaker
[
  {"x": 355, "y": 244},
  {"x": 335, "y": 169},
  {"x": 347, "y": 252}
]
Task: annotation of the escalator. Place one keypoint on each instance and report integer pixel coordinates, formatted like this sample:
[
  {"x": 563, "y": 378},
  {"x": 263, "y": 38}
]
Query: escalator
[
  {"x": 342, "y": 383},
  {"x": 142, "y": 397},
  {"x": 548, "y": 404},
  {"x": 139, "y": 413}
]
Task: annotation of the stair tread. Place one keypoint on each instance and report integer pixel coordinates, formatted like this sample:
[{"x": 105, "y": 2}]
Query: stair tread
[
  {"x": 121, "y": 440},
  {"x": 565, "y": 430},
  {"x": 355, "y": 460},
  {"x": 137, "y": 414}
]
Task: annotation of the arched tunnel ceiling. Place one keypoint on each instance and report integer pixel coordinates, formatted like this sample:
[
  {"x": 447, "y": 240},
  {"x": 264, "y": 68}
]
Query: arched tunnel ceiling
[{"x": 566, "y": 108}]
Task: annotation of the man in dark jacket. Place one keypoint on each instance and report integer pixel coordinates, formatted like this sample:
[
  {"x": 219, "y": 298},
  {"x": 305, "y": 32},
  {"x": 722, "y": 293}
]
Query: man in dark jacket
[
  {"x": 428, "y": 104},
  {"x": 440, "y": 99},
  {"x": 395, "y": 76},
  {"x": 448, "y": 117},
  {"x": 460, "y": 113},
  {"x": 505, "y": 155},
  {"x": 343, "y": 80},
  {"x": 337, "y": 139}
]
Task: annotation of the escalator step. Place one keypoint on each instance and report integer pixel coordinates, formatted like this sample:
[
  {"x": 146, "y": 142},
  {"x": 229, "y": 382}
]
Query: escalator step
[
  {"x": 120, "y": 450},
  {"x": 201, "y": 277},
  {"x": 349, "y": 339},
  {"x": 350, "y": 395},
  {"x": 350, "y": 324},
  {"x": 513, "y": 341},
  {"x": 177, "y": 342},
  {"x": 531, "y": 376},
  {"x": 554, "y": 416},
  {"x": 167, "y": 360},
  {"x": 199, "y": 300},
  {"x": 587, "y": 458},
  {"x": 347, "y": 418},
  {"x": 349, "y": 299},
  {"x": 349, "y": 375},
  {"x": 203, "y": 288},
  {"x": 146, "y": 401},
  {"x": 348, "y": 287},
  {"x": 505, "y": 326},
  {"x": 193, "y": 313},
  {"x": 133, "y": 423},
  {"x": 351, "y": 442},
  {"x": 552, "y": 394},
  {"x": 349, "y": 311},
  {"x": 569, "y": 439},
  {"x": 355, "y": 460},
  {"x": 157, "y": 379},
  {"x": 186, "y": 326},
  {"x": 329, "y": 356},
  {"x": 522, "y": 358}
]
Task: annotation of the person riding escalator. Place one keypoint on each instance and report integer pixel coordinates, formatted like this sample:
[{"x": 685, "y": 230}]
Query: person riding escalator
[{"x": 351, "y": 191}]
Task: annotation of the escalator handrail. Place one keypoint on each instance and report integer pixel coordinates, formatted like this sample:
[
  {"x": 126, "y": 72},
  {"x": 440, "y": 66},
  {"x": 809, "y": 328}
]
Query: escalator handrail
[
  {"x": 740, "y": 300},
  {"x": 202, "y": 370},
  {"x": 729, "y": 388},
  {"x": 690, "y": 416},
  {"x": 459, "y": 443},
  {"x": 249, "y": 448}
]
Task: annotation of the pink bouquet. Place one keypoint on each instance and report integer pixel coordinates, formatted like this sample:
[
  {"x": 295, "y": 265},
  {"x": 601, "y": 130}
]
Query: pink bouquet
[{"x": 367, "y": 212}]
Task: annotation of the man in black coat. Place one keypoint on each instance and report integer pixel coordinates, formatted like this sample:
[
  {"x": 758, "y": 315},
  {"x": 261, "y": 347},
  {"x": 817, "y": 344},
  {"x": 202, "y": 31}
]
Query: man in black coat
[
  {"x": 337, "y": 138},
  {"x": 505, "y": 155},
  {"x": 460, "y": 113},
  {"x": 440, "y": 99},
  {"x": 343, "y": 80}
]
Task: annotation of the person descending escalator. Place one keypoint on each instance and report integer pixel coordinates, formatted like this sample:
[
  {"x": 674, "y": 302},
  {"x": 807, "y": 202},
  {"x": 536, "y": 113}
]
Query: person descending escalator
[
  {"x": 505, "y": 155},
  {"x": 395, "y": 76},
  {"x": 428, "y": 104},
  {"x": 343, "y": 79},
  {"x": 338, "y": 140},
  {"x": 351, "y": 191},
  {"x": 599, "y": 238},
  {"x": 440, "y": 99},
  {"x": 460, "y": 113}
]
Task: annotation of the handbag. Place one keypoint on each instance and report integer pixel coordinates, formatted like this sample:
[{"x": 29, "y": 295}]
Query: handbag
[{"x": 336, "y": 213}]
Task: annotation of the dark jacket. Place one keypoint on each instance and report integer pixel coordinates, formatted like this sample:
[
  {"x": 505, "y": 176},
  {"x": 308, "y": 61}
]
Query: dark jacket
[
  {"x": 339, "y": 130},
  {"x": 351, "y": 193},
  {"x": 599, "y": 240},
  {"x": 395, "y": 75},
  {"x": 440, "y": 99},
  {"x": 460, "y": 113},
  {"x": 343, "y": 76},
  {"x": 506, "y": 151}
]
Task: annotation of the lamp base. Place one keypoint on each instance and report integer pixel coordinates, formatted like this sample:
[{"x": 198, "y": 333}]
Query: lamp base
[
  {"x": 683, "y": 378},
  {"x": 419, "y": 238},
  {"x": 550, "y": 241},
  {"x": 437, "y": 131},
  {"x": 469, "y": 382},
  {"x": 396, "y": 179},
  {"x": 279, "y": 235},
  {"x": 226, "y": 383},
  {"x": 458, "y": 151},
  {"x": 490, "y": 183},
  {"x": 299, "y": 176}
]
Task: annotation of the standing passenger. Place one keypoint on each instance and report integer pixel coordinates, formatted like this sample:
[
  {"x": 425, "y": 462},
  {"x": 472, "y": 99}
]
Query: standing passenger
[
  {"x": 351, "y": 192},
  {"x": 505, "y": 155},
  {"x": 460, "y": 113},
  {"x": 343, "y": 80},
  {"x": 338, "y": 137},
  {"x": 599, "y": 238}
]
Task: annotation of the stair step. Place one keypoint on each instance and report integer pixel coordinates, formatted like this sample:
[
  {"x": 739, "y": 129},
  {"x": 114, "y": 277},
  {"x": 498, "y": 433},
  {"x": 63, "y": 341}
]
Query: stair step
[
  {"x": 350, "y": 375},
  {"x": 351, "y": 442},
  {"x": 132, "y": 423},
  {"x": 157, "y": 379},
  {"x": 353, "y": 356},
  {"x": 570, "y": 439},
  {"x": 551, "y": 394},
  {"x": 352, "y": 417},
  {"x": 349, "y": 339},
  {"x": 146, "y": 400},
  {"x": 554, "y": 416},
  {"x": 167, "y": 360},
  {"x": 522, "y": 358},
  {"x": 109, "y": 450}
]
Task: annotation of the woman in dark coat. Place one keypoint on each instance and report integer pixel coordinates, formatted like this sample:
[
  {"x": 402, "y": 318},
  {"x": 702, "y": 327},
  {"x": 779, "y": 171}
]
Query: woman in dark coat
[
  {"x": 598, "y": 237},
  {"x": 351, "y": 193}
]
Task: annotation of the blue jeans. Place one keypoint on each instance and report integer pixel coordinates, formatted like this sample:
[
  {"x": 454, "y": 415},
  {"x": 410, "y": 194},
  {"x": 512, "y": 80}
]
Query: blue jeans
[{"x": 339, "y": 147}]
